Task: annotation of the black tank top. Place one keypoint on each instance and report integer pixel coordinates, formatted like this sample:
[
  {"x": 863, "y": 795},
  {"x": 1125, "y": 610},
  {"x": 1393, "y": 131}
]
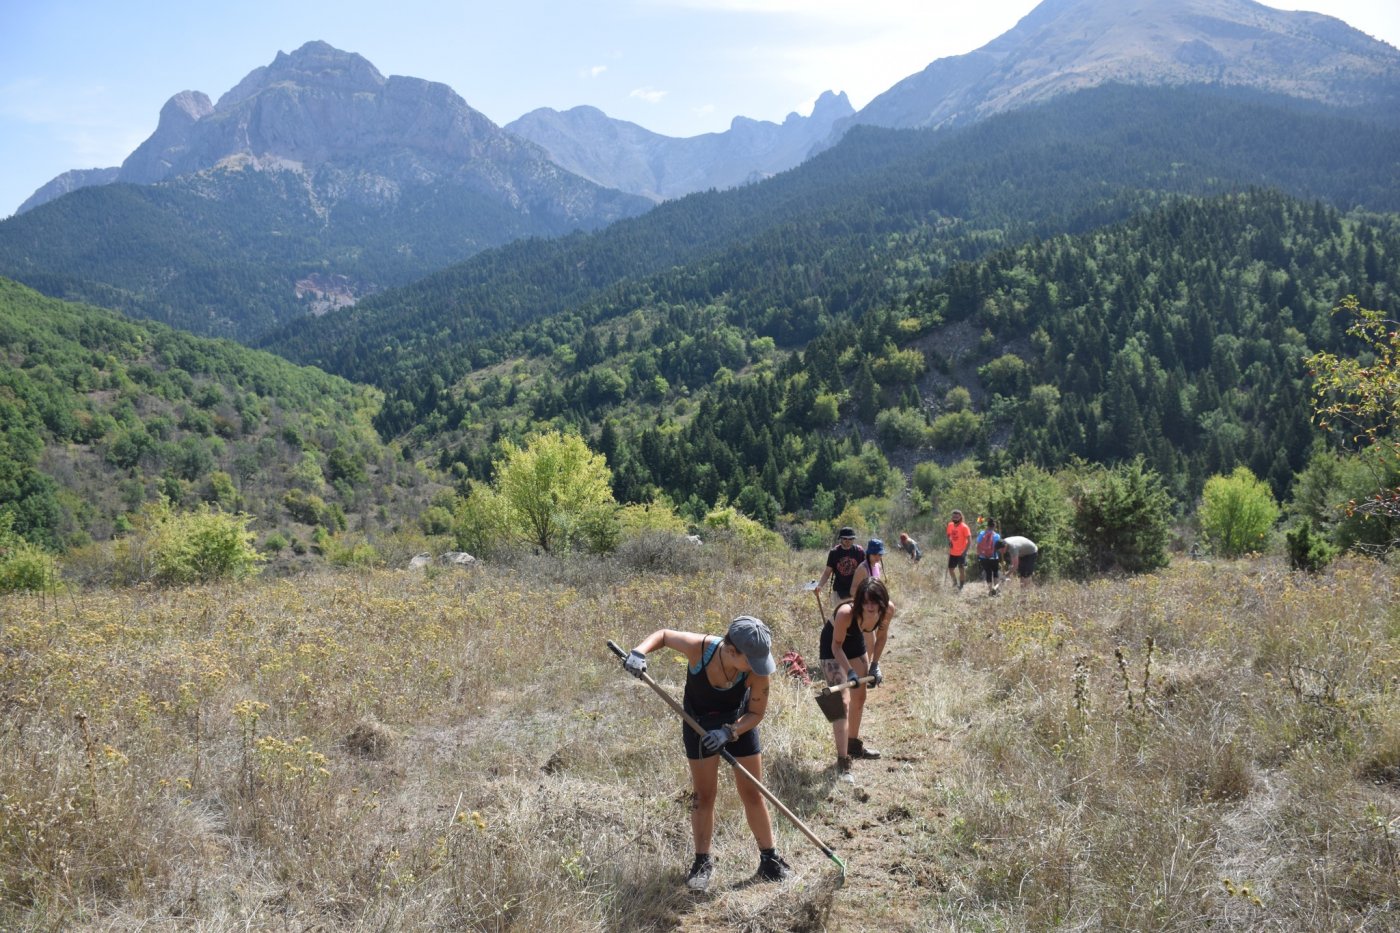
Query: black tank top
[
  {"x": 703, "y": 698},
  {"x": 854, "y": 643}
]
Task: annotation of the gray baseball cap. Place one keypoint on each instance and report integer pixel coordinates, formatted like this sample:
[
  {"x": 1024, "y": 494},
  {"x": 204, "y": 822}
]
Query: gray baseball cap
[{"x": 753, "y": 638}]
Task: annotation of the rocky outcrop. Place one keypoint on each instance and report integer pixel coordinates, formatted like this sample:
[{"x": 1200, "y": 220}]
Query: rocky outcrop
[{"x": 622, "y": 155}]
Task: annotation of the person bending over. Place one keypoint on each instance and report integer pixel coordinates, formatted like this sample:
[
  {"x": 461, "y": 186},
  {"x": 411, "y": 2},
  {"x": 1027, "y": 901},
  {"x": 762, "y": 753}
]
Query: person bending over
[{"x": 726, "y": 692}]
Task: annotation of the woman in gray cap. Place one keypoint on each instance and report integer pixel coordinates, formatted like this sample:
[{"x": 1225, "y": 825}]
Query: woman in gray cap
[{"x": 726, "y": 691}]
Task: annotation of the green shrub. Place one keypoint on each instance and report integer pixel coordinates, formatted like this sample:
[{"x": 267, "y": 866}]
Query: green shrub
[
  {"x": 1032, "y": 503},
  {"x": 954, "y": 430},
  {"x": 1122, "y": 519},
  {"x": 749, "y": 533},
  {"x": 1307, "y": 550},
  {"x": 902, "y": 427},
  {"x": 1237, "y": 513},
  {"x": 171, "y": 548},
  {"x": 638, "y": 519},
  {"x": 24, "y": 567}
]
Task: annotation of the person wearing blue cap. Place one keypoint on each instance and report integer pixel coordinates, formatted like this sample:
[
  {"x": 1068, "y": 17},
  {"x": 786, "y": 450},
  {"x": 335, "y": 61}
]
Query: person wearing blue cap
[
  {"x": 873, "y": 567},
  {"x": 726, "y": 692}
]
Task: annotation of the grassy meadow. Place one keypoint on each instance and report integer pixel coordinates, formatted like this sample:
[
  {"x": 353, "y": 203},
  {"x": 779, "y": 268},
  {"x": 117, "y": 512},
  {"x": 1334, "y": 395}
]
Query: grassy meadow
[{"x": 1213, "y": 745}]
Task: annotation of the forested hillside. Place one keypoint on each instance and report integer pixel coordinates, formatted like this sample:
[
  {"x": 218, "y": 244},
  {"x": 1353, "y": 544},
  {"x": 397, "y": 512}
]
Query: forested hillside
[
  {"x": 1178, "y": 337},
  {"x": 237, "y": 253},
  {"x": 99, "y": 415},
  {"x": 855, "y": 228}
]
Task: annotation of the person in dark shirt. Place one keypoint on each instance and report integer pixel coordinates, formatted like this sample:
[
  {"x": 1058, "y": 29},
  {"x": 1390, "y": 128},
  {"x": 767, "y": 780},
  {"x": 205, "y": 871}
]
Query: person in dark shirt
[{"x": 841, "y": 563}]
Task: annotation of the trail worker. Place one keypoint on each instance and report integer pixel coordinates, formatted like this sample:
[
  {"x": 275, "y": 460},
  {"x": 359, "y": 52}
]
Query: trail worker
[
  {"x": 852, "y": 644},
  {"x": 872, "y": 568},
  {"x": 841, "y": 563},
  {"x": 726, "y": 692},
  {"x": 959, "y": 537}
]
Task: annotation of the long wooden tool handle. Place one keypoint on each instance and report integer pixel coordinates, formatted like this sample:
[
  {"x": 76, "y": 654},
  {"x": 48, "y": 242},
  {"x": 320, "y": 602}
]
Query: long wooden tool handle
[
  {"x": 865, "y": 681},
  {"x": 733, "y": 762}
]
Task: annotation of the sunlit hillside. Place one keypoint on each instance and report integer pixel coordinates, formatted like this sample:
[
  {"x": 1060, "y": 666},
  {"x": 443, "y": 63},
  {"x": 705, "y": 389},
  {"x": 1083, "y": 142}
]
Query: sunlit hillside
[{"x": 1216, "y": 744}]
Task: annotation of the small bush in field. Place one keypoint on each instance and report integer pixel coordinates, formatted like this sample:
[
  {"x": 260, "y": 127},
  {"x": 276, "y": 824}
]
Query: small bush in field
[
  {"x": 750, "y": 533},
  {"x": 170, "y": 547},
  {"x": 1308, "y": 550},
  {"x": 1237, "y": 513},
  {"x": 23, "y": 566},
  {"x": 1122, "y": 518}
]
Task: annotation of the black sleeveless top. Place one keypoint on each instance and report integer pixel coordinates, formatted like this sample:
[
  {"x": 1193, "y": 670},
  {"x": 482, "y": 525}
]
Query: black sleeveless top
[
  {"x": 703, "y": 699},
  {"x": 854, "y": 643}
]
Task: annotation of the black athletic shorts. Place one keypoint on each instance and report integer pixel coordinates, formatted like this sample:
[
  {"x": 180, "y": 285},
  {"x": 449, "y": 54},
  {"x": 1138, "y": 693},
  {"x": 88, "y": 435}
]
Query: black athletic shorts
[
  {"x": 1026, "y": 566},
  {"x": 742, "y": 747},
  {"x": 957, "y": 560}
]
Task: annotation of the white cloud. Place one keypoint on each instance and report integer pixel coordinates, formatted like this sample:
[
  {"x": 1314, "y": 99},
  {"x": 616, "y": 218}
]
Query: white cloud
[
  {"x": 594, "y": 72},
  {"x": 704, "y": 110},
  {"x": 648, "y": 94}
]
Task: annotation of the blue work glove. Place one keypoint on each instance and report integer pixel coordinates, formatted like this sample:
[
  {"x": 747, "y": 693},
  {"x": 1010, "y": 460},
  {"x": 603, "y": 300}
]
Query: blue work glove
[
  {"x": 875, "y": 672},
  {"x": 715, "y": 739},
  {"x": 635, "y": 664},
  {"x": 853, "y": 678}
]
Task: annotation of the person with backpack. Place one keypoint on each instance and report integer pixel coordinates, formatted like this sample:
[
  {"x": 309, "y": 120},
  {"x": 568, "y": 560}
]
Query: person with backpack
[
  {"x": 726, "y": 692},
  {"x": 959, "y": 536},
  {"x": 987, "y": 557},
  {"x": 852, "y": 644}
]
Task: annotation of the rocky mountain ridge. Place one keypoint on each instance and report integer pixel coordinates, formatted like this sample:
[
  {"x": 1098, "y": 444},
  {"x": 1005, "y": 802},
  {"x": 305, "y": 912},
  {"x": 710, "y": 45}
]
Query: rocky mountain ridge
[
  {"x": 623, "y": 155},
  {"x": 1066, "y": 45},
  {"x": 356, "y": 136}
]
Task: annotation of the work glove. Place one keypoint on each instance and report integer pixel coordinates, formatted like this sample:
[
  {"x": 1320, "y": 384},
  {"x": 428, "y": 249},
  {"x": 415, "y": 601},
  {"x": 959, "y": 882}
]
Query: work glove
[
  {"x": 853, "y": 678},
  {"x": 714, "y": 740},
  {"x": 635, "y": 664},
  {"x": 875, "y": 672}
]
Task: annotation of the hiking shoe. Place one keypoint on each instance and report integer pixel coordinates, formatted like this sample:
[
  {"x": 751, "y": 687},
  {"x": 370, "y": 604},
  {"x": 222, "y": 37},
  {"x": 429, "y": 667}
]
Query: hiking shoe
[
  {"x": 843, "y": 769},
  {"x": 773, "y": 868},
  {"x": 858, "y": 750},
  {"x": 701, "y": 871}
]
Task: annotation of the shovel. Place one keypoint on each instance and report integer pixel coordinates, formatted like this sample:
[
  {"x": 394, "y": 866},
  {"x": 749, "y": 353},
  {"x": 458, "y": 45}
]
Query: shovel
[
  {"x": 832, "y": 704},
  {"x": 738, "y": 768}
]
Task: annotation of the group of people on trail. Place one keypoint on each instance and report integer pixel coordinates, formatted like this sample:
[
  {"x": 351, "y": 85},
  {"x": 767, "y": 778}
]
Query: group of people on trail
[
  {"x": 728, "y": 677},
  {"x": 990, "y": 549}
]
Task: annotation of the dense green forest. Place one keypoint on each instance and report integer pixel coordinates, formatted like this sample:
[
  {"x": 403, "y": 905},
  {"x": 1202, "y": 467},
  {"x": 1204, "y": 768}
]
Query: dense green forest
[
  {"x": 1178, "y": 337},
  {"x": 102, "y": 414},
  {"x": 855, "y": 228}
]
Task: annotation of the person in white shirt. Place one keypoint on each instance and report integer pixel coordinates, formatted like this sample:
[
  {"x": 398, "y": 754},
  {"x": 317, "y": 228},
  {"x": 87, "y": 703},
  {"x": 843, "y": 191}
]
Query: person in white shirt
[{"x": 1020, "y": 553}]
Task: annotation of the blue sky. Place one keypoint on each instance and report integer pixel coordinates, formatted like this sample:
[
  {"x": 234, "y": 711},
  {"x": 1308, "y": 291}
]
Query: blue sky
[{"x": 82, "y": 81}]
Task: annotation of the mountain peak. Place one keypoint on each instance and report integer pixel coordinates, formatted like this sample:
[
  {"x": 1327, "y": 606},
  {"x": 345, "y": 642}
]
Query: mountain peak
[
  {"x": 1067, "y": 45},
  {"x": 315, "y": 63}
]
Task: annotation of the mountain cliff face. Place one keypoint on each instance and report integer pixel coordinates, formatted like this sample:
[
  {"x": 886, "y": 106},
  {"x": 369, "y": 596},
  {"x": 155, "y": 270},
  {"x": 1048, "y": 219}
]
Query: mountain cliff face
[
  {"x": 354, "y": 135},
  {"x": 622, "y": 155},
  {"x": 1067, "y": 45}
]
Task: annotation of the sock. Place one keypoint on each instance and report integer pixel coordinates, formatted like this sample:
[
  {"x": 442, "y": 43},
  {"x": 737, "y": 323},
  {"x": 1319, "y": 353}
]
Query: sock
[{"x": 767, "y": 853}]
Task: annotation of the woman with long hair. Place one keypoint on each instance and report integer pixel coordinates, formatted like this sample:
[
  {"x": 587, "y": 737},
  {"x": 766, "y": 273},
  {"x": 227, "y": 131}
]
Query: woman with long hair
[{"x": 852, "y": 644}]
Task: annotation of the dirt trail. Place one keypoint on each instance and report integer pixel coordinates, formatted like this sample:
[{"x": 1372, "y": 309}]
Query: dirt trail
[{"x": 881, "y": 826}]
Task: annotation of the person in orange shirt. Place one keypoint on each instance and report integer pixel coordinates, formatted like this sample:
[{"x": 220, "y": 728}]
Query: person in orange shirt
[{"x": 959, "y": 537}]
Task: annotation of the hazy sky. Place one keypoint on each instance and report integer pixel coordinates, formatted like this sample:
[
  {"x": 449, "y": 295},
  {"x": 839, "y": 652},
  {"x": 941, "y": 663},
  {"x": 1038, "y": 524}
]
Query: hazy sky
[{"x": 82, "y": 81}]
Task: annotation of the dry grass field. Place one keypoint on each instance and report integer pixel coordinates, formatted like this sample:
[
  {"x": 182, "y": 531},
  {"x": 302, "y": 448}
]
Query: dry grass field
[{"x": 1215, "y": 745}]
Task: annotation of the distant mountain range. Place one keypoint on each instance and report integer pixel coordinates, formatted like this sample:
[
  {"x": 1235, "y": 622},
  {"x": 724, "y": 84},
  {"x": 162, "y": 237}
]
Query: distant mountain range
[
  {"x": 625, "y": 156},
  {"x": 317, "y": 181}
]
